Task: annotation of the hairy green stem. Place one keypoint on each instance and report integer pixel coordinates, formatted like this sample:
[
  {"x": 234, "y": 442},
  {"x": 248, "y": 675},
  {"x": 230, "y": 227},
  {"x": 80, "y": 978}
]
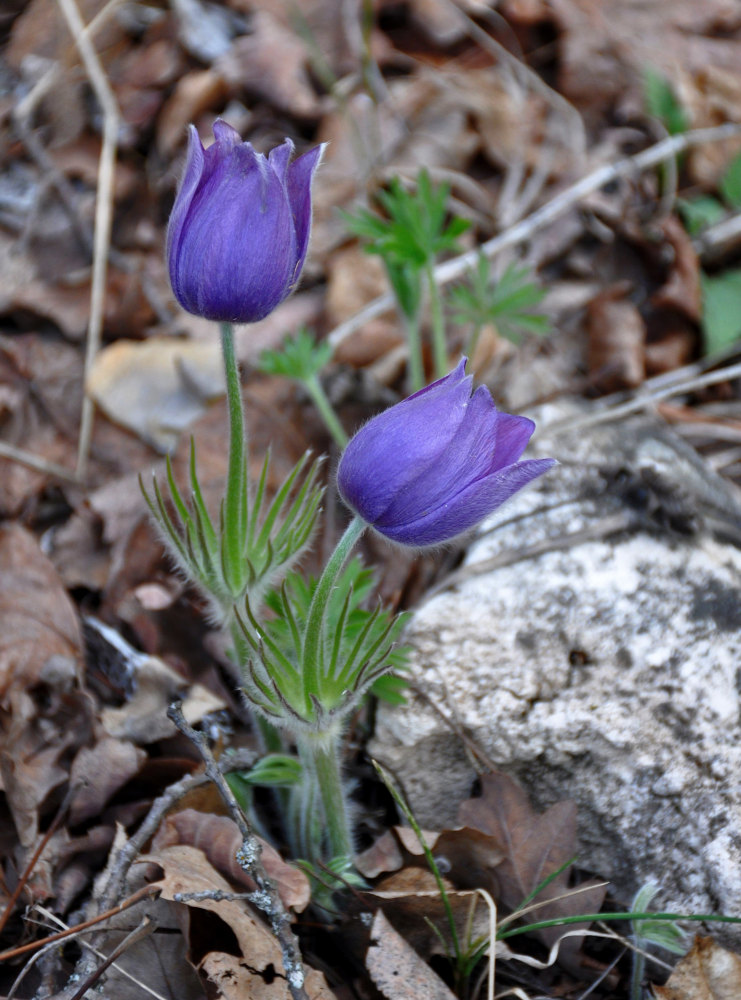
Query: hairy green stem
[
  {"x": 439, "y": 346},
  {"x": 235, "y": 501},
  {"x": 414, "y": 343},
  {"x": 636, "y": 977},
  {"x": 321, "y": 757},
  {"x": 326, "y": 411}
]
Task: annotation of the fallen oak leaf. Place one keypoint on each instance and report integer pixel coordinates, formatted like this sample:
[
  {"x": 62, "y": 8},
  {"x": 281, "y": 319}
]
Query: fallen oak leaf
[
  {"x": 397, "y": 970},
  {"x": 707, "y": 972},
  {"x": 536, "y": 846},
  {"x": 219, "y": 839},
  {"x": 256, "y": 969}
]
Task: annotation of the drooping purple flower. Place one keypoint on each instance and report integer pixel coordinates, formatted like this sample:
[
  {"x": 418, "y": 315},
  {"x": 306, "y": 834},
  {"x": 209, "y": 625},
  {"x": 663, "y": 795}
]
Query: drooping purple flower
[
  {"x": 239, "y": 229},
  {"x": 433, "y": 466}
]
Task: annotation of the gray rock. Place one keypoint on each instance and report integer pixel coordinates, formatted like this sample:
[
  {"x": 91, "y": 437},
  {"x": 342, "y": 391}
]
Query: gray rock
[{"x": 591, "y": 646}]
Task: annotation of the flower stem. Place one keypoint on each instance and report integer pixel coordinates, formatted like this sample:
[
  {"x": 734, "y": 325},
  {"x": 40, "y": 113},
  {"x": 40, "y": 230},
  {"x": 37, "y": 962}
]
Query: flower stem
[
  {"x": 416, "y": 371},
  {"x": 320, "y": 756},
  {"x": 326, "y": 411},
  {"x": 235, "y": 501},
  {"x": 439, "y": 346},
  {"x": 311, "y": 653}
]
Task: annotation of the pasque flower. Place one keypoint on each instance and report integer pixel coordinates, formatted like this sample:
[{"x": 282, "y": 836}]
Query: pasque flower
[
  {"x": 239, "y": 229},
  {"x": 434, "y": 465}
]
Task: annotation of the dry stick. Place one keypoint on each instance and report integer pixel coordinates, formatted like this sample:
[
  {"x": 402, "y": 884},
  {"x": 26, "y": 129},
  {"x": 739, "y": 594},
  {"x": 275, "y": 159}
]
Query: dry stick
[
  {"x": 248, "y": 858},
  {"x": 36, "y": 462},
  {"x": 543, "y": 216},
  {"x": 144, "y": 929},
  {"x": 103, "y": 211},
  {"x": 143, "y": 893},
  {"x": 160, "y": 807}
]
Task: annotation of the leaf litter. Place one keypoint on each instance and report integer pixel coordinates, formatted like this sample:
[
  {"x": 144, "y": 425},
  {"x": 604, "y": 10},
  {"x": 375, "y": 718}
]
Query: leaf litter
[{"x": 85, "y": 745}]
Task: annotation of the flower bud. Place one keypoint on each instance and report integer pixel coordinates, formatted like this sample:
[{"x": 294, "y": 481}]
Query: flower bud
[
  {"x": 435, "y": 465},
  {"x": 239, "y": 229}
]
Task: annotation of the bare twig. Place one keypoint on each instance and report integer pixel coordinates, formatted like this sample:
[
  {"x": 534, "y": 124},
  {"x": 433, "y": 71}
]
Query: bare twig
[
  {"x": 249, "y": 859},
  {"x": 647, "y": 397},
  {"x": 450, "y": 270},
  {"x": 144, "y": 929},
  {"x": 716, "y": 239},
  {"x": 162, "y": 805},
  {"x": 134, "y": 898},
  {"x": 103, "y": 210},
  {"x": 36, "y": 462}
]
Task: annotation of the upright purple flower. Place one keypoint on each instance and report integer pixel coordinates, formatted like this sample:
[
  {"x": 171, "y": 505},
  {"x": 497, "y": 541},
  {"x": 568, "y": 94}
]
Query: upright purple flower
[
  {"x": 239, "y": 229},
  {"x": 433, "y": 466}
]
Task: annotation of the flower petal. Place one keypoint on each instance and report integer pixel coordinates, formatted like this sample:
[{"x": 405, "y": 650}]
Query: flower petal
[
  {"x": 401, "y": 444},
  {"x": 462, "y": 512},
  {"x": 298, "y": 182}
]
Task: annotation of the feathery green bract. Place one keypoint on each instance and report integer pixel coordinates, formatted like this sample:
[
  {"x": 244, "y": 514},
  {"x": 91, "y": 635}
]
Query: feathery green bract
[
  {"x": 273, "y": 533},
  {"x": 507, "y": 304},
  {"x": 357, "y": 647}
]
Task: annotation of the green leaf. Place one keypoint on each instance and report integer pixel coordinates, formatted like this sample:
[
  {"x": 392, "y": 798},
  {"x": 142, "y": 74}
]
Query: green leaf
[
  {"x": 730, "y": 184},
  {"x": 700, "y": 212},
  {"x": 661, "y": 102},
  {"x": 664, "y": 933},
  {"x": 507, "y": 303},
  {"x": 300, "y": 357},
  {"x": 274, "y": 771},
  {"x": 721, "y": 316}
]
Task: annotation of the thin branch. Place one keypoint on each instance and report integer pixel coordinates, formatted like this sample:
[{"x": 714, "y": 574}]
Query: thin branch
[
  {"x": 248, "y": 857},
  {"x": 103, "y": 210},
  {"x": 450, "y": 270},
  {"x": 31, "y": 461},
  {"x": 144, "y": 929}
]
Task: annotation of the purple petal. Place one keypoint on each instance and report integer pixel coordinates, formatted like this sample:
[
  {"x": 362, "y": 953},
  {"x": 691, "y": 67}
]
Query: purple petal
[
  {"x": 400, "y": 445},
  {"x": 280, "y": 157},
  {"x": 465, "y": 510},
  {"x": 513, "y": 434},
  {"x": 238, "y": 248},
  {"x": 469, "y": 457},
  {"x": 300, "y": 176},
  {"x": 188, "y": 185}
]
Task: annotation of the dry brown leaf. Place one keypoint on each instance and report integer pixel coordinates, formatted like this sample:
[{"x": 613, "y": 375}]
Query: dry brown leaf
[
  {"x": 605, "y": 45},
  {"x": 397, "y": 970},
  {"x": 681, "y": 291},
  {"x": 187, "y": 870},
  {"x": 219, "y": 838},
  {"x": 617, "y": 336},
  {"x": 38, "y": 623},
  {"x": 196, "y": 92},
  {"x": 536, "y": 845},
  {"x": 272, "y": 62},
  {"x": 707, "y": 972},
  {"x": 157, "y": 387},
  {"x": 98, "y": 772}
]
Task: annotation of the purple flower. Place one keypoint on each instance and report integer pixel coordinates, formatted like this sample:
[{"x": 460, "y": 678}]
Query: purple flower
[
  {"x": 239, "y": 229},
  {"x": 434, "y": 465}
]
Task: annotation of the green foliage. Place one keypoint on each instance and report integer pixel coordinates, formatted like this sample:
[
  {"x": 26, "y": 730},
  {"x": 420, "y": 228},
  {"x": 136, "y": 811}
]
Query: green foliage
[
  {"x": 357, "y": 647},
  {"x": 272, "y": 534},
  {"x": 508, "y": 303},
  {"x": 300, "y": 357},
  {"x": 414, "y": 230},
  {"x": 661, "y": 102},
  {"x": 721, "y": 313},
  {"x": 730, "y": 183},
  {"x": 664, "y": 933},
  {"x": 700, "y": 212},
  {"x": 275, "y": 770}
]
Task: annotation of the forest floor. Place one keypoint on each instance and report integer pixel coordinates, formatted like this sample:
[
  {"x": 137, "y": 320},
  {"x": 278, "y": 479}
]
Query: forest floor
[{"x": 567, "y": 133}]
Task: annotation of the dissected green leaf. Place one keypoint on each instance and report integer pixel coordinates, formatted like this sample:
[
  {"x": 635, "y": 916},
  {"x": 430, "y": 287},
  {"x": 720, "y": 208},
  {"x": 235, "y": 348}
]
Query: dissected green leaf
[
  {"x": 662, "y": 102},
  {"x": 721, "y": 317},
  {"x": 700, "y": 212},
  {"x": 300, "y": 357},
  {"x": 730, "y": 183}
]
